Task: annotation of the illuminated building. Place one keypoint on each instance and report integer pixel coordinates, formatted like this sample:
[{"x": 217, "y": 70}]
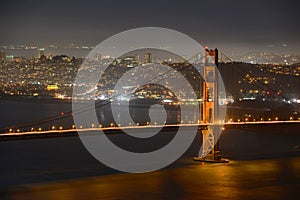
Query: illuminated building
[
  {"x": 148, "y": 57},
  {"x": 52, "y": 87},
  {"x": 41, "y": 52}
]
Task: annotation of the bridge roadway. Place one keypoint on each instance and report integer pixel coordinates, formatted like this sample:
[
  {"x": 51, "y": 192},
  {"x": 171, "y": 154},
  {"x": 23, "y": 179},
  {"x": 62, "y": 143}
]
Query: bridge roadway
[{"x": 114, "y": 130}]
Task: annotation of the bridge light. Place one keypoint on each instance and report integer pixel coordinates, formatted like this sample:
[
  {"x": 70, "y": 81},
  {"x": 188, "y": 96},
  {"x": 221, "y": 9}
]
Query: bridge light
[
  {"x": 18, "y": 130},
  {"x": 60, "y": 128},
  {"x": 10, "y": 130},
  {"x": 32, "y": 129},
  {"x": 40, "y": 129},
  {"x": 93, "y": 125},
  {"x": 137, "y": 124},
  {"x": 53, "y": 127},
  {"x": 111, "y": 124},
  {"x": 73, "y": 126},
  {"x": 276, "y": 118},
  {"x": 269, "y": 119},
  {"x": 148, "y": 123},
  {"x": 291, "y": 118},
  {"x": 100, "y": 125},
  {"x": 80, "y": 126}
]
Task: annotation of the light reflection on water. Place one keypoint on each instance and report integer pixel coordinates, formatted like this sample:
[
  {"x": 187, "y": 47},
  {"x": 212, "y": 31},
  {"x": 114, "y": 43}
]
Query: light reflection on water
[{"x": 260, "y": 179}]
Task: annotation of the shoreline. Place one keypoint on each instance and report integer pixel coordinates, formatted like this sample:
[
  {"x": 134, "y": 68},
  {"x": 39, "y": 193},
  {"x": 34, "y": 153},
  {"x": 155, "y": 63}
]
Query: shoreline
[{"x": 34, "y": 99}]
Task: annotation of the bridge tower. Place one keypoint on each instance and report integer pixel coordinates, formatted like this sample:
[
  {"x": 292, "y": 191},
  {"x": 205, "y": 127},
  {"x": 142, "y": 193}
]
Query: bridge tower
[{"x": 210, "y": 149}]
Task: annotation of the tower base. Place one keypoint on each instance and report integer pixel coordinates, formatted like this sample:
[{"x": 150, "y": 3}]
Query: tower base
[{"x": 211, "y": 160}]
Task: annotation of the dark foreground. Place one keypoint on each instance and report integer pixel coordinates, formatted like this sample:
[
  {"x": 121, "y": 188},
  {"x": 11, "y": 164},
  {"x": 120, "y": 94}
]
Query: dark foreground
[{"x": 262, "y": 166}]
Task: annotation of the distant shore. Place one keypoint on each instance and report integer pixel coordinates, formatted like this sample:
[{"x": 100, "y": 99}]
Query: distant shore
[{"x": 34, "y": 99}]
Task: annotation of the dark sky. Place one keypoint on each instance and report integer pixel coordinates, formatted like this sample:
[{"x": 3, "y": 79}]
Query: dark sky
[{"x": 232, "y": 25}]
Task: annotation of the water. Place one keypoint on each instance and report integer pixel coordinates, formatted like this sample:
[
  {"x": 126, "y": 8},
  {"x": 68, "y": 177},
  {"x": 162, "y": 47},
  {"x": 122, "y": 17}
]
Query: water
[
  {"x": 266, "y": 179},
  {"x": 23, "y": 112},
  {"x": 25, "y": 115},
  {"x": 260, "y": 167}
]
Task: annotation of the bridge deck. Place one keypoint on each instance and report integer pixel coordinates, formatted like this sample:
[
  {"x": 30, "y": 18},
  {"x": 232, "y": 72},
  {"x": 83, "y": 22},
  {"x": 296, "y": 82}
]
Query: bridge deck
[{"x": 117, "y": 130}]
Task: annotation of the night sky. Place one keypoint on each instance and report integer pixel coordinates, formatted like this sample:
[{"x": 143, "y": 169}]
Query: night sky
[{"x": 234, "y": 26}]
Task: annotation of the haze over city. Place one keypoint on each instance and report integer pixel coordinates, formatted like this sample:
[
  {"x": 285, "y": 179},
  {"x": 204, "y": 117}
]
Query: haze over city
[{"x": 236, "y": 27}]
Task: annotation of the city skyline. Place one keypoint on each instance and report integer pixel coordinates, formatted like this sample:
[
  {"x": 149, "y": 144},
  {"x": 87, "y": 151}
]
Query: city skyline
[
  {"x": 78, "y": 51},
  {"x": 235, "y": 27}
]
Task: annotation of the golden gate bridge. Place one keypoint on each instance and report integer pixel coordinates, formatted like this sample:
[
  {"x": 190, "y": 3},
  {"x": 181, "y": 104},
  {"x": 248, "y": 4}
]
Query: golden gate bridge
[{"x": 208, "y": 109}]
